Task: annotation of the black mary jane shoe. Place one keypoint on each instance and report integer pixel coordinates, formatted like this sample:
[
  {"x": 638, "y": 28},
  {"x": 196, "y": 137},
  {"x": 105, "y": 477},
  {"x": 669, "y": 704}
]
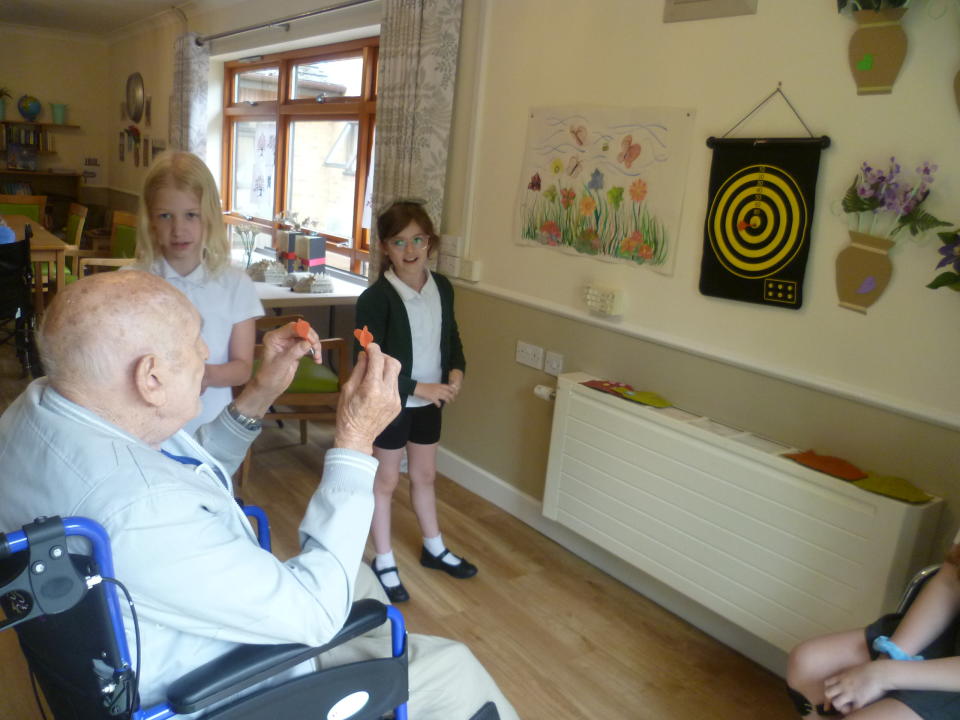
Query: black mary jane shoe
[
  {"x": 397, "y": 593},
  {"x": 462, "y": 571}
]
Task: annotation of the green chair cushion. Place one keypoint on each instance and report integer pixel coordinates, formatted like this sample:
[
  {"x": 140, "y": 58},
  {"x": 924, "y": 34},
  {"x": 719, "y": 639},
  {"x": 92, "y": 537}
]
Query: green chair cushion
[
  {"x": 124, "y": 242},
  {"x": 30, "y": 211},
  {"x": 310, "y": 377}
]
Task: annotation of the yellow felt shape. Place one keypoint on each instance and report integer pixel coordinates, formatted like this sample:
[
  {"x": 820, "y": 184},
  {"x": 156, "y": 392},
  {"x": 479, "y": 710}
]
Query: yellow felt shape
[
  {"x": 896, "y": 487},
  {"x": 838, "y": 467}
]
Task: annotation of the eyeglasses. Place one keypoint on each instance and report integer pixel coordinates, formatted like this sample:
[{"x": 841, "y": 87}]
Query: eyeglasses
[{"x": 400, "y": 243}]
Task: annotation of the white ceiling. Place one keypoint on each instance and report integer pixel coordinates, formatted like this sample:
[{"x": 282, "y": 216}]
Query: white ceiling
[{"x": 95, "y": 17}]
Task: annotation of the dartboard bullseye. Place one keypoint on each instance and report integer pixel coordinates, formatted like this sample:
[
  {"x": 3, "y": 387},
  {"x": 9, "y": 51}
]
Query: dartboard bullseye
[{"x": 757, "y": 222}]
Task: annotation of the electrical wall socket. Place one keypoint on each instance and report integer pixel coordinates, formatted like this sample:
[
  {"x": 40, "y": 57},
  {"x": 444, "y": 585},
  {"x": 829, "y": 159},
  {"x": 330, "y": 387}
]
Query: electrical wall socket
[
  {"x": 530, "y": 355},
  {"x": 553, "y": 363}
]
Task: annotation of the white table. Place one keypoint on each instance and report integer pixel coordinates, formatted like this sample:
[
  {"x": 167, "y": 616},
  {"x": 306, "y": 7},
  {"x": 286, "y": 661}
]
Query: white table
[{"x": 278, "y": 296}]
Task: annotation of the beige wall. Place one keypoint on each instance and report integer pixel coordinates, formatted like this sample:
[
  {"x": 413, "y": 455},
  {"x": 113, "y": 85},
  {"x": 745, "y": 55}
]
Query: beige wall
[
  {"x": 65, "y": 68},
  {"x": 879, "y": 389}
]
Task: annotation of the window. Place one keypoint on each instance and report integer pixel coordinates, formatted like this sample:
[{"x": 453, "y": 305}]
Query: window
[{"x": 298, "y": 137}]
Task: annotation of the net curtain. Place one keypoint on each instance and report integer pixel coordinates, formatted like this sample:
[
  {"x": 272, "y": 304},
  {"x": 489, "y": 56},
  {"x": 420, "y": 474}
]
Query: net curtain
[
  {"x": 419, "y": 42},
  {"x": 188, "y": 105}
]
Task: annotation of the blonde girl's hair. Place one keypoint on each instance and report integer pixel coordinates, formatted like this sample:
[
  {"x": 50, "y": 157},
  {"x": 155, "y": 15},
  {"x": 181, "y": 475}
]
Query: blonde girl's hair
[
  {"x": 394, "y": 220},
  {"x": 185, "y": 172}
]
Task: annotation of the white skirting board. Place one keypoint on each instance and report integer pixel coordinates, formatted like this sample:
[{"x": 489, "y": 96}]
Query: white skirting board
[{"x": 530, "y": 511}]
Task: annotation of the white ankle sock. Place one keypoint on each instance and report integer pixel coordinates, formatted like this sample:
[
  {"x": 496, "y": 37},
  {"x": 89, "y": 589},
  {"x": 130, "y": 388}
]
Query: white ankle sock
[
  {"x": 390, "y": 579},
  {"x": 435, "y": 547}
]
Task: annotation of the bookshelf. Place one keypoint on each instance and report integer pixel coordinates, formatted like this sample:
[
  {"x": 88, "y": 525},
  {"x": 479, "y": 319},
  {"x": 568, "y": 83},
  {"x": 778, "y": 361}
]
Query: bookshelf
[{"x": 23, "y": 141}]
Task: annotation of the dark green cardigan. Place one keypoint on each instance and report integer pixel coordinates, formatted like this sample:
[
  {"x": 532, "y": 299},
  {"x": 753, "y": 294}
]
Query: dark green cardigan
[{"x": 381, "y": 309}]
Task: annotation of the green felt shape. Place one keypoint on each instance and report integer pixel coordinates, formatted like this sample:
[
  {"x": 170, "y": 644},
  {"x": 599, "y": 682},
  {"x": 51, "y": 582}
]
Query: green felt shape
[
  {"x": 124, "y": 244},
  {"x": 895, "y": 487},
  {"x": 645, "y": 397},
  {"x": 838, "y": 467},
  {"x": 865, "y": 63},
  {"x": 310, "y": 377},
  {"x": 31, "y": 211}
]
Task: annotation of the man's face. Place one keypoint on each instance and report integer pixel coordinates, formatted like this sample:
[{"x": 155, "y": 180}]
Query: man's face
[{"x": 187, "y": 362}]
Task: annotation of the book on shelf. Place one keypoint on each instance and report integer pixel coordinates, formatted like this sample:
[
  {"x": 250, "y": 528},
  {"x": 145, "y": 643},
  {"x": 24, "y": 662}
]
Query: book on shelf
[{"x": 21, "y": 157}]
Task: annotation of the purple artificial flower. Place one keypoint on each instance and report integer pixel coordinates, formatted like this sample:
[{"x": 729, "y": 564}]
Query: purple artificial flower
[{"x": 951, "y": 254}]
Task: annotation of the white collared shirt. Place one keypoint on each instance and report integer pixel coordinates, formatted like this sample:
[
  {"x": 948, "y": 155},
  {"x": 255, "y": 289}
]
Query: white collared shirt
[
  {"x": 223, "y": 300},
  {"x": 425, "y": 315}
]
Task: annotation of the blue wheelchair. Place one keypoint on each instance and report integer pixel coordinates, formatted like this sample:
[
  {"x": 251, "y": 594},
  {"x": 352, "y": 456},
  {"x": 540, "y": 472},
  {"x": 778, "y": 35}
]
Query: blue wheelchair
[{"x": 66, "y": 612}]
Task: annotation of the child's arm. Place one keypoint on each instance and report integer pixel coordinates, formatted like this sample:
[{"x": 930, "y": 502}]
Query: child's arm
[
  {"x": 933, "y": 610},
  {"x": 237, "y": 370}
]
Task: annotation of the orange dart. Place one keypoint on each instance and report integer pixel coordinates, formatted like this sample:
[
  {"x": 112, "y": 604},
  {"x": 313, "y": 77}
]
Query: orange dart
[
  {"x": 364, "y": 337},
  {"x": 302, "y": 329}
]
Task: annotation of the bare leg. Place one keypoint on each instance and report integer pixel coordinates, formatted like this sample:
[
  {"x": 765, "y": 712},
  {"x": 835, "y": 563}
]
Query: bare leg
[
  {"x": 886, "y": 709},
  {"x": 422, "y": 467},
  {"x": 384, "y": 483},
  {"x": 813, "y": 661}
]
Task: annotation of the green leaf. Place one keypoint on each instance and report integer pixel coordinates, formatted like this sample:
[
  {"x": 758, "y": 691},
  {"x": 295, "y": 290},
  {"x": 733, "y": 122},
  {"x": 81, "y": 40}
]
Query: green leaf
[
  {"x": 948, "y": 237},
  {"x": 919, "y": 221},
  {"x": 853, "y": 203},
  {"x": 945, "y": 279}
]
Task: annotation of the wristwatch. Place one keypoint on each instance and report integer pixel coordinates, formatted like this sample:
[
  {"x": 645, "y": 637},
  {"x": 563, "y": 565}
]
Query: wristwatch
[{"x": 249, "y": 423}]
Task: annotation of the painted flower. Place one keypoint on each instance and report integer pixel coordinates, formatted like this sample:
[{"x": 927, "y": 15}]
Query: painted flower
[
  {"x": 534, "y": 183},
  {"x": 596, "y": 180},
  {"x": 551, "y": 232},
  {"x": 638, "y": 191},
  {"x": 551, "y": 193},
  {"x": 567, "y": 196},
  {"x": 587, "y": 205},
  {"x": 588, "y": 236},
  {"x": 556, "y": 166},
  {"x": 615, "y": 196},
  {"x": 645, "y": 251},
  {"x": 630, "y": 243},
  {"x": 951, "y": 254}
]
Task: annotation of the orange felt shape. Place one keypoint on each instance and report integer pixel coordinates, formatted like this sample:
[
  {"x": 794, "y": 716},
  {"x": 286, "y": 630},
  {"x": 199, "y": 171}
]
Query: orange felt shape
[
  {"x": 364, "y": 337},
  {"x": 838, "y": 467},
  {"x": 302, "y": 329}
]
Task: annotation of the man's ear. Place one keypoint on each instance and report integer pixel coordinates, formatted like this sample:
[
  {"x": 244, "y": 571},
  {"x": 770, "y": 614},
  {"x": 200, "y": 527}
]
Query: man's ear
[{"x": 149, "y": 380}]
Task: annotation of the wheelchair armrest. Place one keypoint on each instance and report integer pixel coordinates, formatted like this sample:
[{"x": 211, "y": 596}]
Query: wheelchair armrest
[{"x": 248, "y": 665}]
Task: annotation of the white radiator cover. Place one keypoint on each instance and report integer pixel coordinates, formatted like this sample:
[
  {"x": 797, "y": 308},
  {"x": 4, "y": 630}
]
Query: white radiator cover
[{"x": 781, "y": 550}]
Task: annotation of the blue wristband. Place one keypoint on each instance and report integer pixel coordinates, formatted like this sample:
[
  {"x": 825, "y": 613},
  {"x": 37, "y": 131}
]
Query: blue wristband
[{"x": 887, "y": 646}]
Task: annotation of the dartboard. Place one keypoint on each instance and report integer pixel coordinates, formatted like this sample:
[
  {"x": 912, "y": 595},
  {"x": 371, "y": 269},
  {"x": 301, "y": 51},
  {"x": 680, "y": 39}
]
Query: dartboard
[
  {"x": 757, "y": 221},
  {"x": 756, "y": 235}
]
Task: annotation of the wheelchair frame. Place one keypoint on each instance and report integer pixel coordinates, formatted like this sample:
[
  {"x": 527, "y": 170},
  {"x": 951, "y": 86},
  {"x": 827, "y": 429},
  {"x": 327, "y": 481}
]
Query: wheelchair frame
[{"x": 54, "y": 585}]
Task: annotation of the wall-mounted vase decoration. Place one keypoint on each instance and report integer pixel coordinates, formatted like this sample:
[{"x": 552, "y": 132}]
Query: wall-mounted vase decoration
[
  {"x": 58, "y": 113},
  {"x": 863, "y": 271},
  {"x": 877, "y": 50}
]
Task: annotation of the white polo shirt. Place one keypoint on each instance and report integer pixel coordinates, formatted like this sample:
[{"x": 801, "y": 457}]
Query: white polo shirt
[
  {"x": 223, "y": 300},
  {"x": 425, "y": 315}
]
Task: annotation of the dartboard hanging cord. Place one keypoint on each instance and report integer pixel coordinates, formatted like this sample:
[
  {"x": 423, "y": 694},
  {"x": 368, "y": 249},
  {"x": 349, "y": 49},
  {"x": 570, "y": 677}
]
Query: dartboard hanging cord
[{"x": 824, "y": 140}]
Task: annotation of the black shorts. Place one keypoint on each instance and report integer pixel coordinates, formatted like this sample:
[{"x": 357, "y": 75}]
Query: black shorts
[
  {"x": 928, "y": 704},
  {"x": 420, "y": 425}
]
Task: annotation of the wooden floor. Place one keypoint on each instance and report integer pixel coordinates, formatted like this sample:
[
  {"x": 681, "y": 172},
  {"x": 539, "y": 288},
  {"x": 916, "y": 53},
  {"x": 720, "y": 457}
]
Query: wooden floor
[{"x": 562, "y": 639}]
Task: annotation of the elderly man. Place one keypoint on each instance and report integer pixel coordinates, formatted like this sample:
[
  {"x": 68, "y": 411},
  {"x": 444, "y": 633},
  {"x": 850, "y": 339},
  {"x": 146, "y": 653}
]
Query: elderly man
[{"x": 101, "y": 437}]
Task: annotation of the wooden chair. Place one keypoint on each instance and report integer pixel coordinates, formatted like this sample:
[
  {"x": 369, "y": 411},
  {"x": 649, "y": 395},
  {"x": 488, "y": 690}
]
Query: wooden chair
[
  {"x": 76, "y": 217},
  {"x": 32, "y": 206},
  {"x": 123, "y": 246},
  {"x": 123, "y": 234},
  {"x": 315, "y": 390}
]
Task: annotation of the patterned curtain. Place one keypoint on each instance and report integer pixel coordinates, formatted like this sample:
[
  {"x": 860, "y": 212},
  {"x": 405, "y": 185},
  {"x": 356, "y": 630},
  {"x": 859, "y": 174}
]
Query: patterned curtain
[
  {"x": 188, "y": 106},
  {"x": 419, "y": 41}
]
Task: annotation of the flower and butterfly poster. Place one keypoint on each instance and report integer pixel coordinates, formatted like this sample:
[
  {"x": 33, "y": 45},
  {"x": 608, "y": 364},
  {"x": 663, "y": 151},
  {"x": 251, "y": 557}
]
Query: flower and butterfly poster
[{"x": 605, "y": 182}]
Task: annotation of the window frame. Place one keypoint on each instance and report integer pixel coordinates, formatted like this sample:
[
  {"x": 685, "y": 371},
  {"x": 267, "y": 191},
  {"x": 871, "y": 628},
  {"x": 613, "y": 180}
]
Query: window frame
[{"x": 283, "y": 111}]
